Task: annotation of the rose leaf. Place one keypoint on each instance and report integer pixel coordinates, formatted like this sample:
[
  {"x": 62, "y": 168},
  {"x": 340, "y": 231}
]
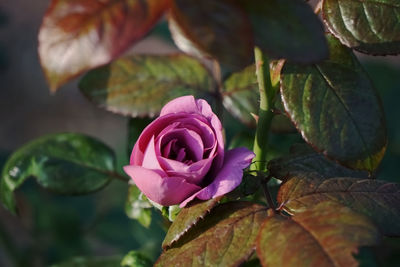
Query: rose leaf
[
  {"x": 378, "y": 200},
  {"x": 371, "y": 27},
  {"x": 303, "y": 159},
  {"x": 241, "y": 96},
  {"x": 135, "y": 259},
  {"x": 287, "y": 29},
  {"x": 187, "y": 218},
  {"x": 67, "y": 163},
  {"x": 141, "y": 85},
  {"x": 138, "y": 207},
  {"x": 78, "y": 35},
  {"x": 329, "y": 234},
  {"x": 225, "y": 238},
  {"x": 336, "y": 108},
  {"x": 217, "y": 29}
]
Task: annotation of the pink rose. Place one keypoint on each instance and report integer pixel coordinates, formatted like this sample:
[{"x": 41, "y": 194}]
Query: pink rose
[{"x": 180, "y": 155}]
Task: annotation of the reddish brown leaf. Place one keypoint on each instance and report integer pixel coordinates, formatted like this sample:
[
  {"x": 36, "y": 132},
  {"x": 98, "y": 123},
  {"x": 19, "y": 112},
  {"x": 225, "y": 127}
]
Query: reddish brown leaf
[
  {"x": 78, "y": 35},
  {"x": 217, "y": 29},
  {"x": 225, "y": 238},
  {"x": 379, "y": 200},
  {"x": 186, "y": 219},
  {"x": 329, "y": 234}
]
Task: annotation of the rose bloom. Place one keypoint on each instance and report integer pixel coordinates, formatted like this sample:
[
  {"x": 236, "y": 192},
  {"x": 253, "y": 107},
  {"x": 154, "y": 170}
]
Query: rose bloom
[{"x": 180, "y": 155}]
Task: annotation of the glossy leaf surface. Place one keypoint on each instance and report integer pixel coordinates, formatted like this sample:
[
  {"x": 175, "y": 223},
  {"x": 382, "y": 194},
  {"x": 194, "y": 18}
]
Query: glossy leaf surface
[
  {"x": 141, "y": 85},
  {"x": 304, "y": 160},
  {"x": 78, "y": 35},
  {"x": 64, "y": 163},
  {"x": 336, "y": 108},
  {"x": 379, "y": 200},
  {"x": 326, "y": 235},
  {"x": 138, "y": 207},
  {"x": 187, "y": 218},
  {"x": 241, "y": 96},
  {"x": 287, "y": 29},
  {"x": 219, "y": 29},
  {"x": 371, "y": 27},
  {"x": 225, "y": 238}
]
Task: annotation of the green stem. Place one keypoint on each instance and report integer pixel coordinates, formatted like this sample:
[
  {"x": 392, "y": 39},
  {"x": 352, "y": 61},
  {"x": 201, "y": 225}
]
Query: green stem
[
  {"x": 119, "y": 176},
  {"x": 267, "y": 97}
]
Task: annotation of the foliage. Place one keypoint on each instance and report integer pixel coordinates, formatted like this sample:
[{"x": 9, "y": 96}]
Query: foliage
[{"x": 329, "y": 202}]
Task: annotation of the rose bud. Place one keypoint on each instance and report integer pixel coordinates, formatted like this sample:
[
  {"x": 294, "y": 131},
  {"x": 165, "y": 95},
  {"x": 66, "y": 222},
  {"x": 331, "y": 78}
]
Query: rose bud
[{"x": 180, "y": 156}]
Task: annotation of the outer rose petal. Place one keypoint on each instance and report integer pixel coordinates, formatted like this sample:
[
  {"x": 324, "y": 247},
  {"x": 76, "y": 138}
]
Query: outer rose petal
[
  {"x": 185, "y": 104},
  {"x": 229, "y": 176},
  {"x": 165, "y": 191}
]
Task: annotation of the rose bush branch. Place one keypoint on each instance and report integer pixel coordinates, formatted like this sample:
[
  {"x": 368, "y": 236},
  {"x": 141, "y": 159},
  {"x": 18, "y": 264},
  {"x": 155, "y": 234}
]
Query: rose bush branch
[{"x": 265, "y": 114}]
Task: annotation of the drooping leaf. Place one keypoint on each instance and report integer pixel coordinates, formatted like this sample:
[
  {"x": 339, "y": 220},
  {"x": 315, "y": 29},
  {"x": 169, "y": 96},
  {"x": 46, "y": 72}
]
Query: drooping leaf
[
  {"x": 187, "y": 218},
  {"x": 225, "y": 238},
  {"x": 379, "y": 200},
  {"x": 218, "y": 29},
  {"x": 329, "y": 234},
  {"x": 141, "y": 85},
  {"x": 78, "y": 35},
  {"x": 91, "y": 262},
  {"x": 66, "y": 163},
  {"x": 303, "y": 160},
  {"x": 138, "y": 207},
  {"x": 372, "y": 27},
  {"x": 135, "y": 259},
  {"x": 241, "y": 96},
  {"x": 336, "y": 108},
  {"x": 287, "y": 29}
]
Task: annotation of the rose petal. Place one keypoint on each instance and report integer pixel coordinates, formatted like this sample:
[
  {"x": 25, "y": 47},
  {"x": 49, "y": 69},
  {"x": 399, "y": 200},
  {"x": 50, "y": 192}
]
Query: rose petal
[
  {"x": 193, "y": 173},
  {"x": 150, "y": 160},
  {"x": 229, "y": 176},
  {"x": 165, "y": 191},
  {"x": 186, "y": 104}
]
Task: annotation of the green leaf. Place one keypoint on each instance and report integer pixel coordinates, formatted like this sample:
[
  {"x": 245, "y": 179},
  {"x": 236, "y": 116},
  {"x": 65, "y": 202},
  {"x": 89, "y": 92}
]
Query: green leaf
[
  {"x": 372, "y": 27},
  {"x": 187, "y": 218},
  {"x": 219, "y": 29},
  {"x": 135, "y": 259},
  {"x": 225, "y": 238},
  {"x": 78, "y": 35},
  {"x": 91, "y": 262},
  {"x": 138, "y": 207},
  {"x": 336, "y": 108},
  {"x": 329, "y": 234},
  {"x": 141, "y": 85},
  {"x": 240, "y": 95},
  {"x": 287, "y": 29},
  {"x": 303, "y": 159},
  {"x": 66, "y": 163},
  {"x": 379, "y": 200}
]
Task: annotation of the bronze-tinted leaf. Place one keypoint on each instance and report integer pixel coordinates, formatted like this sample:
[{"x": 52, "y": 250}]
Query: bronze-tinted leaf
[
  {"x": 328, "y": 234},
  {"x": 241, "y": 96},
  {"x": 372, "y": 27},
  {"x": 225, "y": 238},
  {"x": 141, "y": 85},
  {"x": 303, "y": 160},
  {"x": 78, "y": 35},
  {"x": 287, "y": 29},
  {"x": 219, "y": 29},
  {"x": 187, "y": 218},
  {"x": 376, "y": 199},
  {"x": 336, "y": 108}
]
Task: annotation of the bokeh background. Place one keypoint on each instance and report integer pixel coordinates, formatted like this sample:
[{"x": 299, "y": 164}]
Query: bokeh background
[{"x": 54, "y": 228}]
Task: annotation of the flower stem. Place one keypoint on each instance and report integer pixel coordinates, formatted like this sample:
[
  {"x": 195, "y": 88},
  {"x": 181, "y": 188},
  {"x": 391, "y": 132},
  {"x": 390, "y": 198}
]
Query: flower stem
[
  {"x": 267, "y": 98},
  {"x": 119, "y": 176}
]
